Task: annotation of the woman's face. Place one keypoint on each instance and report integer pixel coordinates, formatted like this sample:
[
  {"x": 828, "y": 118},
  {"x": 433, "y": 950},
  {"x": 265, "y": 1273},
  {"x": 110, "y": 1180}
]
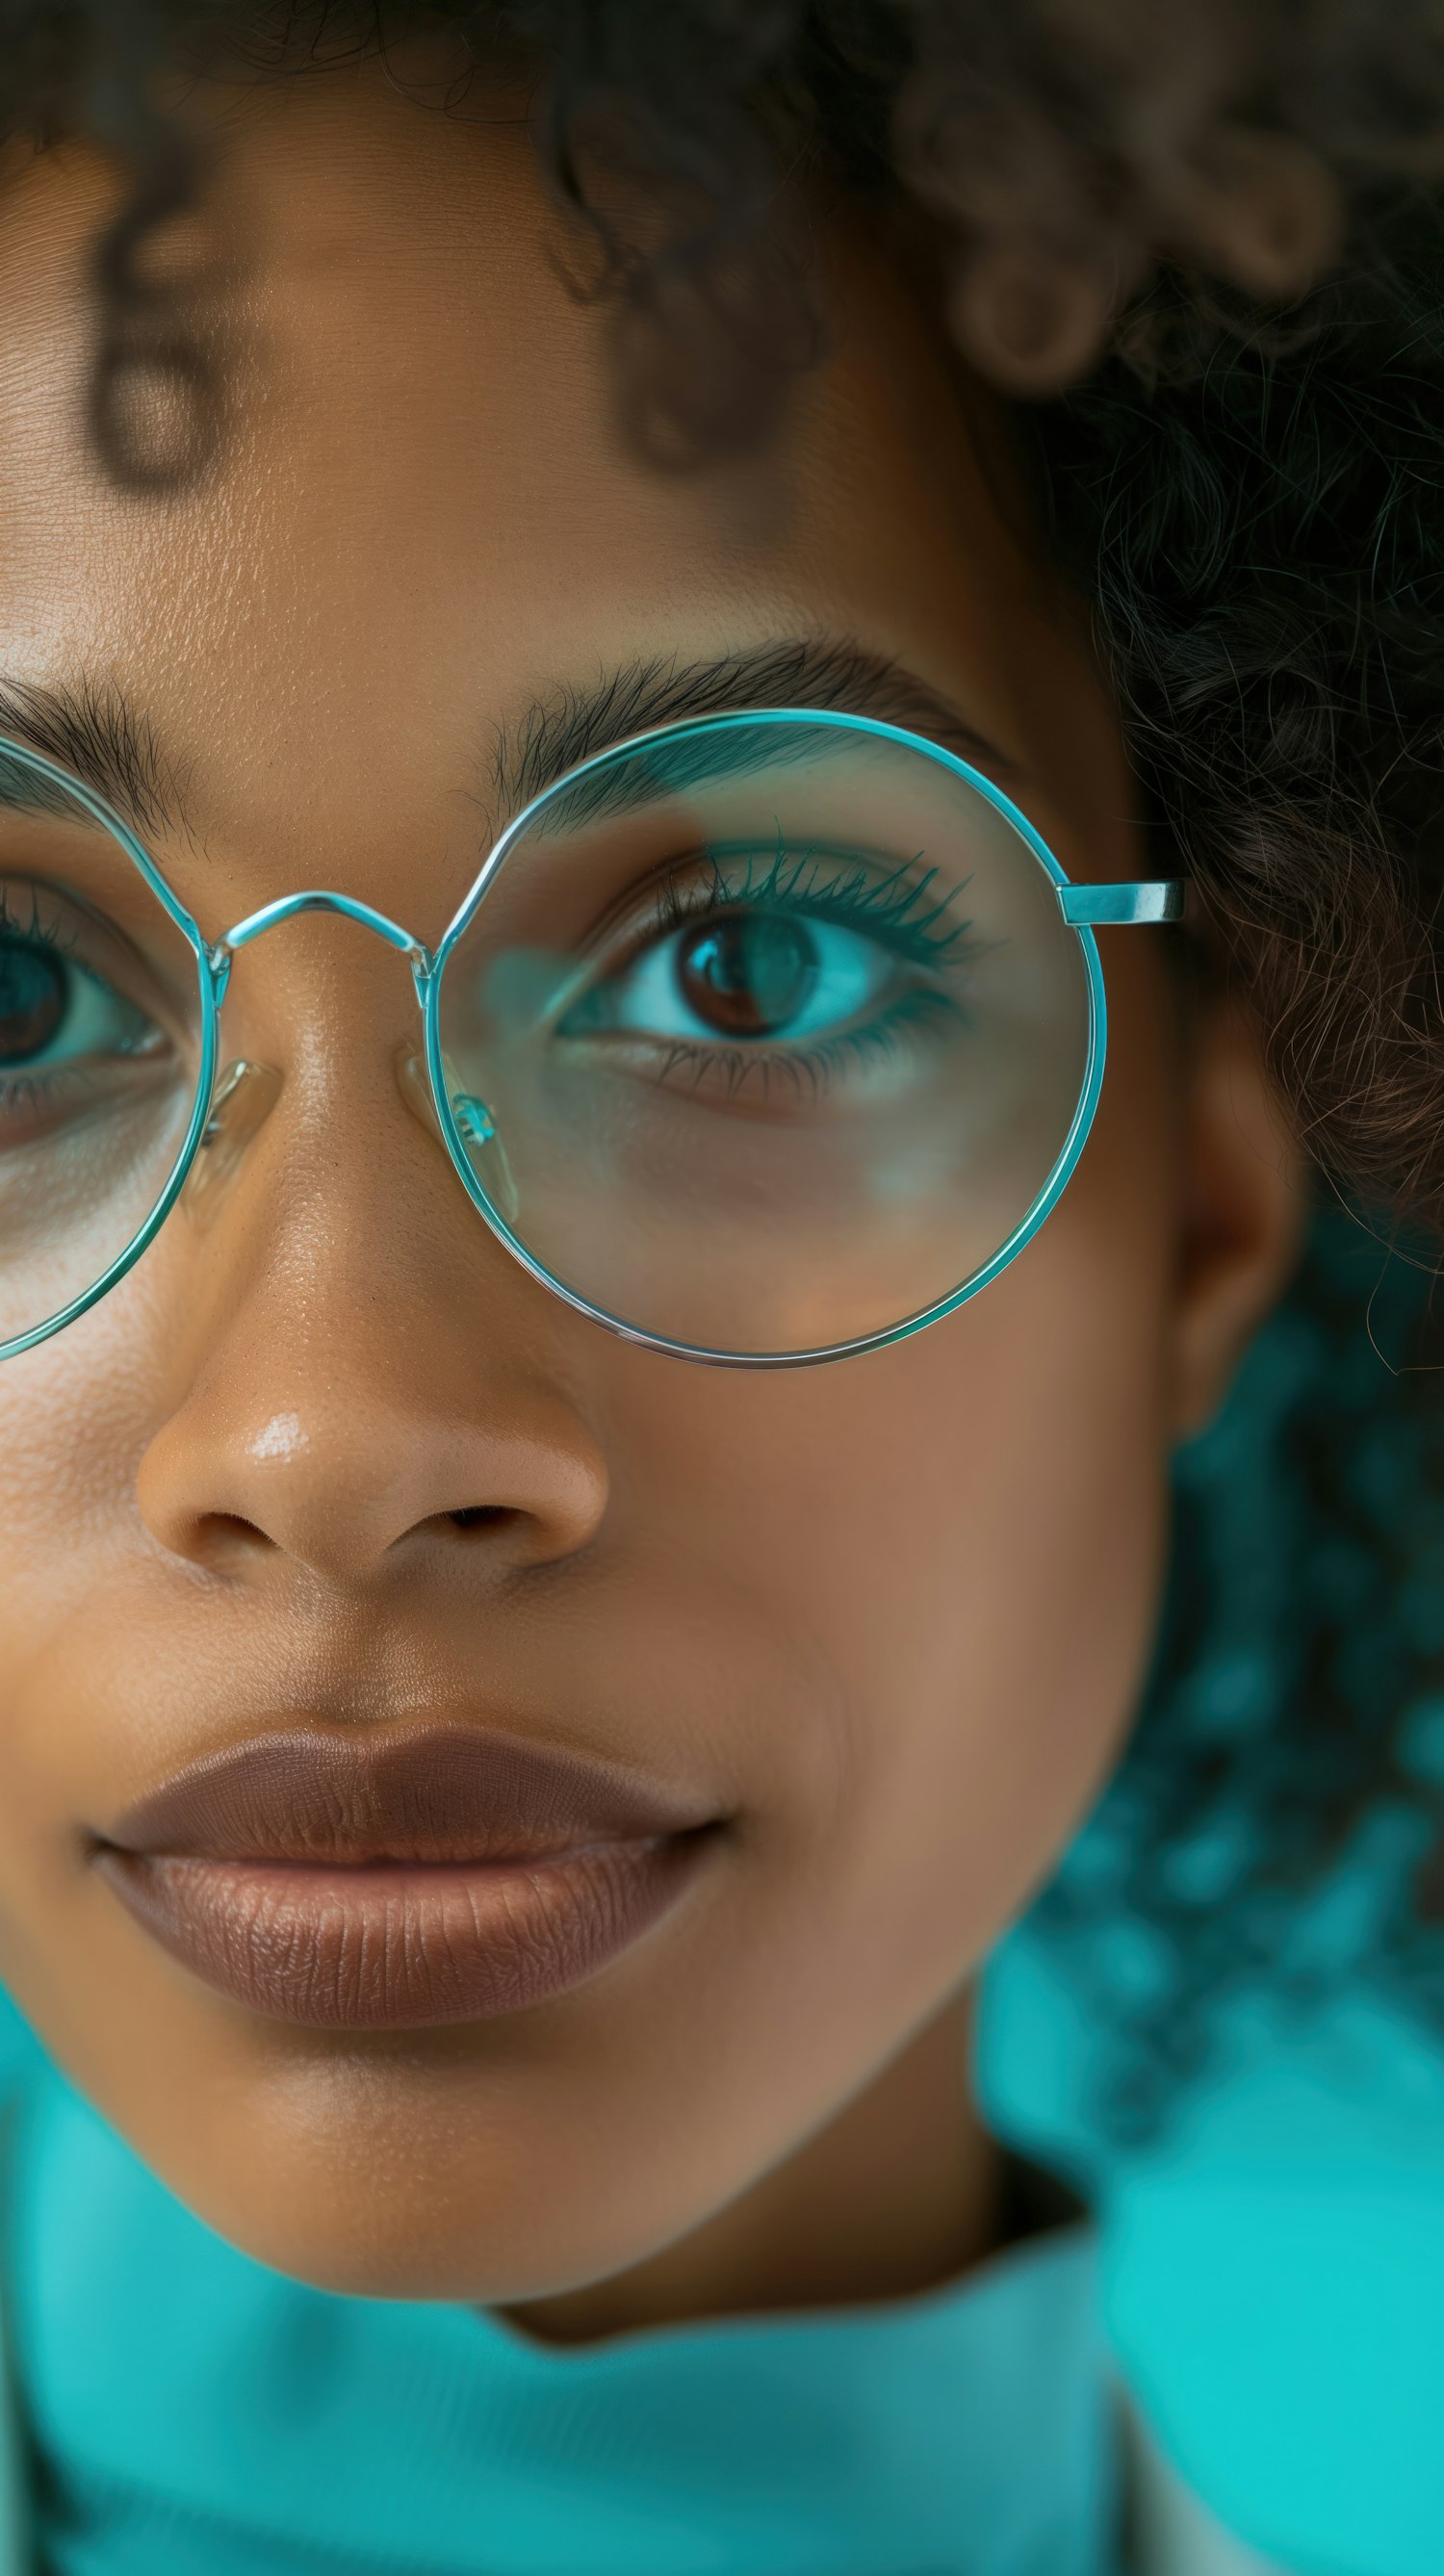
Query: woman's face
[{"x": 330, "y": 1464}]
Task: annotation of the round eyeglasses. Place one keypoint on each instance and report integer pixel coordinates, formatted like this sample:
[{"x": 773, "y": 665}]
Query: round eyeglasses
[{"x": 762, "y": 1039}]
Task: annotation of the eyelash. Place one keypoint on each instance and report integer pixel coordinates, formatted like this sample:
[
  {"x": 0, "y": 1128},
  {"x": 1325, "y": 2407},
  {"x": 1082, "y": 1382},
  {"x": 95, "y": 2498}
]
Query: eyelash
[
  {"x": 808, "y": 1069},
  {"x": 899, "y": 909},
  {"x": 897, "y": 905},
  {"x": 53, "y": 934}
]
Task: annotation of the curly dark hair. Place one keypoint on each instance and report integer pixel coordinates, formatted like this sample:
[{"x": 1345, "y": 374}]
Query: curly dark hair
[{"x": 1198, "y": 248}]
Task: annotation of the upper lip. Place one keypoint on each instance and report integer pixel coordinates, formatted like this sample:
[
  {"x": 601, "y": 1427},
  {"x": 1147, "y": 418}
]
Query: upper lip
[{"x": 434, "y": 1793}]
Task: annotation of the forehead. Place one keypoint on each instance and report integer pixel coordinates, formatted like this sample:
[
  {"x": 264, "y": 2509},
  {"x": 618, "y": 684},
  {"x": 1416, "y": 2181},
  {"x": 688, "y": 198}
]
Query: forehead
[{"x": 424, "y": 510}]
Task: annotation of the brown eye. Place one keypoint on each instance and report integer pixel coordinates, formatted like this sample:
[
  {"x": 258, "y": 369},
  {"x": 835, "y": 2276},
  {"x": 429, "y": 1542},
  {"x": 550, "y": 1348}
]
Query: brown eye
[
  {"x": 32, "y": 999},
  {"x": 748, "y": 974}
]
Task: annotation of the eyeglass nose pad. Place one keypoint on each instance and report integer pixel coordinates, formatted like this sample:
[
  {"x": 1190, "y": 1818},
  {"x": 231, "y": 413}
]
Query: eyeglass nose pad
[
  {"x": 414, "y": 1084},
  {"x": 474, "y": 1120},
  {"x": 242, "y": 1100}
]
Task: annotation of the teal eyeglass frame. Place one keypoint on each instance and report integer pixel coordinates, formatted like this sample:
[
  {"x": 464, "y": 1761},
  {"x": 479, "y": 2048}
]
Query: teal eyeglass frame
[{"x": 1084, "y": 908}]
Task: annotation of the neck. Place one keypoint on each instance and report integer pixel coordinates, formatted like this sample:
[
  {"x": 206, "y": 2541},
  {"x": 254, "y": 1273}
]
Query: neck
[{"x": 898, "y": 2193}]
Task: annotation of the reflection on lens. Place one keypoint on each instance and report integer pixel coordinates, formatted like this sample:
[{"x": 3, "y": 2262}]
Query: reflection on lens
[
  {"x": 765, "y": 1038},
  {"x": 99, "y": 1020}
]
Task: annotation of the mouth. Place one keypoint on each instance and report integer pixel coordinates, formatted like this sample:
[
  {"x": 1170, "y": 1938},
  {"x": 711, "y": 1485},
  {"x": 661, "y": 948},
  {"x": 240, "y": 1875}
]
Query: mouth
[{"x": 445, "y": 1875}]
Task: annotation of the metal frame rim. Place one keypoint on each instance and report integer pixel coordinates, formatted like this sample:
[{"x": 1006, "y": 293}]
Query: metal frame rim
[
  {"x": 429, "y": 999},
  {"x": 1041, "y": 1206}
]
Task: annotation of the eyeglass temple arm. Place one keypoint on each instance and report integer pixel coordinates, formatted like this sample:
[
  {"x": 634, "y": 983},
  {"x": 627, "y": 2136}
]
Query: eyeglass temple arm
[
  {"x": 1083, "y": 907},
  {"x": 1096, "y": 907}
]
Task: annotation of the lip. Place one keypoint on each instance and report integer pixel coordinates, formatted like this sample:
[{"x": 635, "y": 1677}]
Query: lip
[{"x": 448, "y": 1874}]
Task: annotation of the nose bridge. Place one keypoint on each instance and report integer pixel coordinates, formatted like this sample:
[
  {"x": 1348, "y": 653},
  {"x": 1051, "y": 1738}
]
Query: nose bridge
[{"x": 323, "y": 899}]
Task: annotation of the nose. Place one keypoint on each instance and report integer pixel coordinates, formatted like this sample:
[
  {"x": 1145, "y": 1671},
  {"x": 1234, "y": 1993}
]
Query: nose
[{"x": 360, "y": 1381}]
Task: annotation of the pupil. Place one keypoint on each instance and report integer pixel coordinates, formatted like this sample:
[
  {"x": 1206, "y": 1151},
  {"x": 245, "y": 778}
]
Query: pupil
[
  {"x": 32, "y": 1000},
  {"x": 748, "y": 974}
]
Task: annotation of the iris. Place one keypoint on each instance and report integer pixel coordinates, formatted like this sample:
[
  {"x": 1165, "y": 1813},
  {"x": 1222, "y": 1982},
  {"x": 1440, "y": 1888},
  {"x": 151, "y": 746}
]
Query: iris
[{"x": 33, "y": 999}]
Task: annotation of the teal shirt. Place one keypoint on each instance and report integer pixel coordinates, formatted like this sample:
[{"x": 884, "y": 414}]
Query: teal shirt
[{"x": 195, "y": 2414}]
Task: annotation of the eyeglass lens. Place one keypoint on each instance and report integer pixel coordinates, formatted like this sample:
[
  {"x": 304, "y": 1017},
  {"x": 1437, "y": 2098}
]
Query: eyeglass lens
[
  {"x": 765, "y": 1038},
  {"x": 99, "y": 1049}
]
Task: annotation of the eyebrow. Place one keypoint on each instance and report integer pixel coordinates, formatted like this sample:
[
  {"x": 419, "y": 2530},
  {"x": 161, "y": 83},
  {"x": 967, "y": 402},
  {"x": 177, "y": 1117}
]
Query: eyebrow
[
  {"x": 92, "y": 731},
  {"x": 566, "y": 726}
]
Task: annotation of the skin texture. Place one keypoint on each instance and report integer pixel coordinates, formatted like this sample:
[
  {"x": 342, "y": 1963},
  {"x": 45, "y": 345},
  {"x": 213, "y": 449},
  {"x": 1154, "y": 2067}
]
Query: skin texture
[{"x": 888, "y": 1617}]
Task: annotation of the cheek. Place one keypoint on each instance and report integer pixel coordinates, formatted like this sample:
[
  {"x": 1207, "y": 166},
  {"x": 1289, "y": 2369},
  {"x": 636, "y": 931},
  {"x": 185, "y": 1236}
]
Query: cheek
[
  {"x": 73, "y": 1419},
  {"x": 965, "y": 1537},
  {"x": 75, "y": 1415},
  {"x": 1011, "y": 1608},
  {"x": 969, "y": 1569}
]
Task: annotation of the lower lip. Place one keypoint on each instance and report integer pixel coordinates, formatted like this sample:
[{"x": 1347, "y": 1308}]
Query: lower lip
[{"x": 404, "y": 1945}]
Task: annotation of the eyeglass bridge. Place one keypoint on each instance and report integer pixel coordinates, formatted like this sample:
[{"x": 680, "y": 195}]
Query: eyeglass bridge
[{"x": 320, "y": 899}]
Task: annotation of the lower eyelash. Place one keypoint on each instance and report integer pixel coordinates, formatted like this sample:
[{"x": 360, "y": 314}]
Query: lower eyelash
[
  {"x": 810, "y": 1068},
  {"x": 27, "y": 1091}
]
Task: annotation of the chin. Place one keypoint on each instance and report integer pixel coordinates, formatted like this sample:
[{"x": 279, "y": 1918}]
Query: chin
[
  {"x": 384, "y": 2242},
  {"x": 394, "y": 2207}
]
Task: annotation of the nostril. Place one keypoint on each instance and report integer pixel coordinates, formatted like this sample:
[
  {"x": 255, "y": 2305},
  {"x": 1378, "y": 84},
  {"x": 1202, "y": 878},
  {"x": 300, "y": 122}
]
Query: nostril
[
  {"x": 480, "y": 1516},
  {"x": 222, "y": 1542}
]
